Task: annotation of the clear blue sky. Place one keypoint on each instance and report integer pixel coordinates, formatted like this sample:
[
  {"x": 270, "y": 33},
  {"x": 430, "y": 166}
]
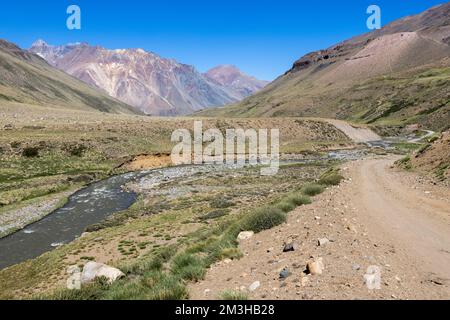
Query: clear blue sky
[{"x": 262, "y": 37}]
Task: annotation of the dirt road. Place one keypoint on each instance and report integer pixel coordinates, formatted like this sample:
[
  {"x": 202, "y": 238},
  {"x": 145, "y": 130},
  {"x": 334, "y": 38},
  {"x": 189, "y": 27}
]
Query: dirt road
[
  {"x": 416, "y": 219},
  {"x": 357, "y": 134},
  {"x": 379, "y": 216}
]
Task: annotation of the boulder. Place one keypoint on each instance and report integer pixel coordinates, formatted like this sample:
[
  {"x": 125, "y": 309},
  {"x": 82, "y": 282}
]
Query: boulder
[
  {"x": 316, "y": 267},
  {"x": 93, "y": 270},
  {"x": 245, "y": 235}
]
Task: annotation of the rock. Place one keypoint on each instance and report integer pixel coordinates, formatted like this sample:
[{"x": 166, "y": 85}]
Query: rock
[
  {"x": 245, "y": 235},
  {"x": 255, "y": 285},
  {"x": 290, "y": 247},
  {"x": 93, "y": 270},
  {"x": 8, "y": 127},
  {"x": 284, "y": 273},
  {"x": 352, "y": 228},
  {"x": 323, "y": 242},
  {"x": 269, "y": 250},
  {"x": 207, "y": 292},
  {"x": 356, "y": 267},
  {"x": 227, "y": 261},
  {"x": 316, "y": 267}
]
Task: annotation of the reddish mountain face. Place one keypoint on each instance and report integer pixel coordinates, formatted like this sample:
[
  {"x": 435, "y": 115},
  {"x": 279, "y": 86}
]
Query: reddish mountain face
[
  {"x": 152, "y": 84},
  {"x": 232, "y": 78}
]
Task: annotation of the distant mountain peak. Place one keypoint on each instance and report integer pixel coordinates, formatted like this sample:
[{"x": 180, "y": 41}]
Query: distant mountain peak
[
  {"x": 147, "y": 81},
  {"x": 231, "y": 76}
]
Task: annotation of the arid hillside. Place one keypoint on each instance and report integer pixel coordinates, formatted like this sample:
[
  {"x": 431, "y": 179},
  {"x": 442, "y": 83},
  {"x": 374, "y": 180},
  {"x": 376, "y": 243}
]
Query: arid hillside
[
  {"x": 397, "y": 75},
  {"x": 27, "y": 80},
  {"x": 433, "y": 158}
]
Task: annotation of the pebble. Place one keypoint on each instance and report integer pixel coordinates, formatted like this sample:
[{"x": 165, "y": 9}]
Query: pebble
[
  {"x": 255, "y": 285},
  {"x": 284, "y": 273},
  {"x": 290, "y": 247},
  {"x": 323, "y": 241}
]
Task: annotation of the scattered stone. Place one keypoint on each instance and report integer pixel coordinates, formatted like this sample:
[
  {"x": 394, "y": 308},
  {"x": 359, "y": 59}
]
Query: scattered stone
[
  {"x": 290, "y": 247},
  {"x": 269, "y": 250},
  {"x": 227, "y": 261},
  {"x": 93, "y": 270},
  {"x": 285, "y": 273},
  {"x": 207, "y": 292},
  {"x": 316, "y": 267},
  {"x": 323, "y": 242},
  {"x": 255, "y": 285},
  {"x": 356, "y": 267},
  {"x": 245, "y": 235}
]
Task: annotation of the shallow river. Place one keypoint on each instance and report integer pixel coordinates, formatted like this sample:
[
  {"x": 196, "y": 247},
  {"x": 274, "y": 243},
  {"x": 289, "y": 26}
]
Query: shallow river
[{"x": 95, "y": 203}]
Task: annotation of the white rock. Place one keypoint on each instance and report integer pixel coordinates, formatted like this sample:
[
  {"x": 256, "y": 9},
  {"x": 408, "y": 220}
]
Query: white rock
[
  {"x": 316, "y": 267},
  {"x": 245, "y": 235},
  {"x": 323, "y": 241},
  {"x": 93, "y": 270},
  {"x": 255, "y": 285}
]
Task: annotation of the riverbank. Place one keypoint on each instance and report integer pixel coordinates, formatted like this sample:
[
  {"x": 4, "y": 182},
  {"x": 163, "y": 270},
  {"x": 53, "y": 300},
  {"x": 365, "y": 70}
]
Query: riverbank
[{"x": 18, "y": 217}]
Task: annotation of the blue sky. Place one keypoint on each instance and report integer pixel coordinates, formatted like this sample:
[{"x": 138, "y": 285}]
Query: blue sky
[{"x": 262, "y": 37}]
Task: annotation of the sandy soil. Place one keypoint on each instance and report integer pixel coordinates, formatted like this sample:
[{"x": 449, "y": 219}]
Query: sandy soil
[{"x": 379, "y": 216}]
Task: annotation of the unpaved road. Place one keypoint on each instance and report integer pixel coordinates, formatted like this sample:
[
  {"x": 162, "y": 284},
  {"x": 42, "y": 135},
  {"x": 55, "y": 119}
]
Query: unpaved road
[
  {"x": 379, "y": 216},
  {"x": 416, "y": 219},
  {"x": 357, "y": 134}
]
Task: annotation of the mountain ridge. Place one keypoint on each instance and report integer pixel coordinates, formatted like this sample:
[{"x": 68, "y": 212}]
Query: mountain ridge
[
  {"x": 26, "y": 78},
  {"x": 397, "y": 75},
  {"x": 145, "y": 80}
]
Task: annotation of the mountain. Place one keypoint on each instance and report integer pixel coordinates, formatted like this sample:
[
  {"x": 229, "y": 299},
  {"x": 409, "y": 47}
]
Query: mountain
[
  {"x": 397, "y": 75},
  {"x": 232, "y": 78},
  {"x": 26, "y": 78},
  {"x": 154, "y": 85}
]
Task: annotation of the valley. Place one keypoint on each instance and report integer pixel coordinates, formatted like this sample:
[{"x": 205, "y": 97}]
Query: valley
[{"x": 94, "y": 207}]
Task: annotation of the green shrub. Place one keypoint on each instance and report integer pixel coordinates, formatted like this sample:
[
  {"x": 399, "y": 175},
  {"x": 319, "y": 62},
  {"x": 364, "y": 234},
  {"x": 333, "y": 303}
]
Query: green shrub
[
  {"x": 155, "y": 285},
  {"x": 331, "y": 177},
  {"x": 188, "y": 267},
  {"x": 214, "y": 214},
  {"x": 233, "y": 295},
  {"x": 230, "y": 253},
  {"x": 30, "y": 152},
  {"x": 312, "y": 189},
  {"x": 221, "y": 203},
  {"x": 298, "y": 199},
  {"x": 263, "y": 219},
  {"x": 286, "y": 206}
]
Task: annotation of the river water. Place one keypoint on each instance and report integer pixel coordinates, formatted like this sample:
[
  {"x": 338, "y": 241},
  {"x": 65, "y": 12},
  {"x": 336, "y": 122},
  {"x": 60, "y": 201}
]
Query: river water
[{"x": 98, "y": 201}]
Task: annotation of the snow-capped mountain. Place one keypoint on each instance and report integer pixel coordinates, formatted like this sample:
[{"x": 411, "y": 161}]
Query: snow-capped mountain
[{"x": 154, "y": 85}]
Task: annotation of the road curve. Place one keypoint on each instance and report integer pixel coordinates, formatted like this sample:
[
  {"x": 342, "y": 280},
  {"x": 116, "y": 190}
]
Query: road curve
[{"x": 416, "y": 220}]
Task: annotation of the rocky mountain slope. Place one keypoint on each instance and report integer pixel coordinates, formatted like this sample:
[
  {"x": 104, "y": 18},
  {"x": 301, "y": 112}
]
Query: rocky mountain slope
[
  {"x": 27, "y": 79},
  {"x": 154, "y": 85},
  {"x": 433, "y": 158},
  {"x": 231, "y": 77},
  {"x": 399, "y": 74}
]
